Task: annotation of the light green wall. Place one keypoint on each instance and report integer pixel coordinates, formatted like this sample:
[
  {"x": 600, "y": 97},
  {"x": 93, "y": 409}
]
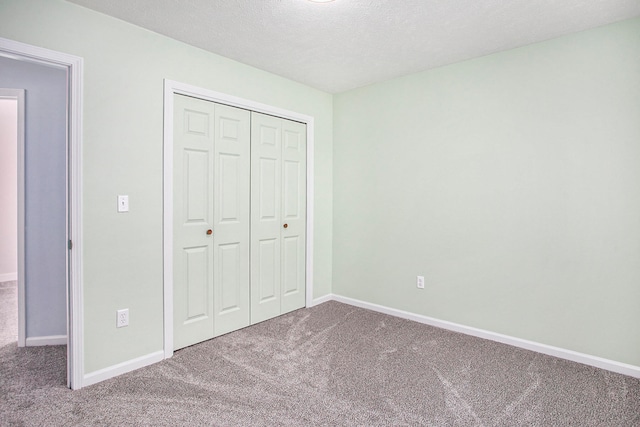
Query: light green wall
[
  {"x": 123, "y": 108},
  {"x": 511, "y": 182}
]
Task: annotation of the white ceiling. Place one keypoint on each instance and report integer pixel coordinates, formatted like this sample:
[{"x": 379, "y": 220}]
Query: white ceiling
[{"x": 346, "y": 44}]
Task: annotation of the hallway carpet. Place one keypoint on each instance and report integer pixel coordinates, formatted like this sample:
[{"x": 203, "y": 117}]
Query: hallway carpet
[{"x": 331, "y": 365}]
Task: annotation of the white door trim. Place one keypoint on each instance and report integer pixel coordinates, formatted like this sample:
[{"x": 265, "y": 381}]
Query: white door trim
[
  {"x": 170, "y": 88},
  {"x": 74, "y": 66},
  {"x": 18, "y": 95}
]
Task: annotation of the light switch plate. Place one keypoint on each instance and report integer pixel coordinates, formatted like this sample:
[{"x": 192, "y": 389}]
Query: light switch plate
[{"x": 123, "y": 203}]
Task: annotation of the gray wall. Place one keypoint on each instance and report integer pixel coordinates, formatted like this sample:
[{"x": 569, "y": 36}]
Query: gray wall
[{"x": 45, "y": 203}]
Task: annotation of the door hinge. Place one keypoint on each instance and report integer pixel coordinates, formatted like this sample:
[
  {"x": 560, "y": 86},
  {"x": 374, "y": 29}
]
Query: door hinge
[{"x": 70, "y": 245}]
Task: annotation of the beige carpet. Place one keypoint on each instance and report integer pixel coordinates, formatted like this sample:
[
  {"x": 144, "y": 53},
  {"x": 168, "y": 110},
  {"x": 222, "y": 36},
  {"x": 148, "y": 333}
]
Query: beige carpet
[{"x": 331, "y": 365}]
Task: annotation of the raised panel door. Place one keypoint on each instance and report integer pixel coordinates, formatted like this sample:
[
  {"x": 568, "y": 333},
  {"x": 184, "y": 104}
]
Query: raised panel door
[
  {"x": 266, "y": 184},
  {"x": 231, "y": 218},
  {"x": 193, "y": 216},
  {"x": 294, "y": 160},
  {"x": 278, "y": 205}
]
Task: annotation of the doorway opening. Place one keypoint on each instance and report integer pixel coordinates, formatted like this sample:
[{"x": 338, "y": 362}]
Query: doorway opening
[
  {"x": 11, "y": 253},
  {"x": 66, "y": 198}
]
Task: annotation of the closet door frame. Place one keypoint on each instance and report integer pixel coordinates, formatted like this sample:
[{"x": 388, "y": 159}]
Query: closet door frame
[{"x": 171, "y": 88}]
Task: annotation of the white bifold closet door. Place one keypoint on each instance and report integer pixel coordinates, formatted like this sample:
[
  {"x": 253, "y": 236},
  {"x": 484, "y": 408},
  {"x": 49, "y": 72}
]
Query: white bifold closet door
[
  {"x": 239, "y": 206},
  {"x": 278, "y": 212},
  {"x": 211, "y": 219}
]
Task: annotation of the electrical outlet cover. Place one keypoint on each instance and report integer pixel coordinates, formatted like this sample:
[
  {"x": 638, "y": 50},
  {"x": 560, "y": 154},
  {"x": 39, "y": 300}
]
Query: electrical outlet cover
[{"x": 122, "y": 318}]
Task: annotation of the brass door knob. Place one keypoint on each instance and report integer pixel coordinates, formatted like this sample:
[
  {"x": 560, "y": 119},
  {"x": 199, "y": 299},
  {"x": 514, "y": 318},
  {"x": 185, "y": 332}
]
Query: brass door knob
[
  {"x": 209, "y": 232},
  {"x": 286, "y": 225}
]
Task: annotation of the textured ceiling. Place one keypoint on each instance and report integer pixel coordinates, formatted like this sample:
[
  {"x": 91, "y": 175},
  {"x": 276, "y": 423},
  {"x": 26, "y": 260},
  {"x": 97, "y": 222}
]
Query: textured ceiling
[{"x": 346, "y": 44}]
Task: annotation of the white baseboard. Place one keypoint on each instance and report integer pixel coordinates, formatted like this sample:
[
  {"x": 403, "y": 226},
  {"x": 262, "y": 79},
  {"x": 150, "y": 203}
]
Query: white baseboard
[
  {"x": 122, "y": 368},
  {"x": 47, "y": 340},
  {"x": 8, "y": 277},
  {"x": 320, "y": 300},
  {"x": 574, "y": 356}
]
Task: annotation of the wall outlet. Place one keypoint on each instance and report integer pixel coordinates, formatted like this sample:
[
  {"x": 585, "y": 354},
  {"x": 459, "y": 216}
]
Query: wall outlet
[
  {"x": 122, "y": 318},
  {"x": 420, "y": 282}
]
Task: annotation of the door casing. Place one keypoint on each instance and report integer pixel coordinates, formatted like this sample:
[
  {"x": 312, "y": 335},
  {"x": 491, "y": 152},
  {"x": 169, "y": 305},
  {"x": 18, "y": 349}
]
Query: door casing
[{"x": 172, "y": 87}]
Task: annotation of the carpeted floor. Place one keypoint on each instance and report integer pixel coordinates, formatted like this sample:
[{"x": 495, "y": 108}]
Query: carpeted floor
[{"x": 331, "y": 365}]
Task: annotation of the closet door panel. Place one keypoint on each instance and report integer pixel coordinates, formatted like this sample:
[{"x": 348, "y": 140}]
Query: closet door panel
[
  {"x": 294, "y": 158},
  {"x": 266, "y": 184},
  {"x": 290, "y": 270},
  {"x": 231, "y": 218},
  {"x": 267, "y": 270},
  {"x": 193, "y": 216}
]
